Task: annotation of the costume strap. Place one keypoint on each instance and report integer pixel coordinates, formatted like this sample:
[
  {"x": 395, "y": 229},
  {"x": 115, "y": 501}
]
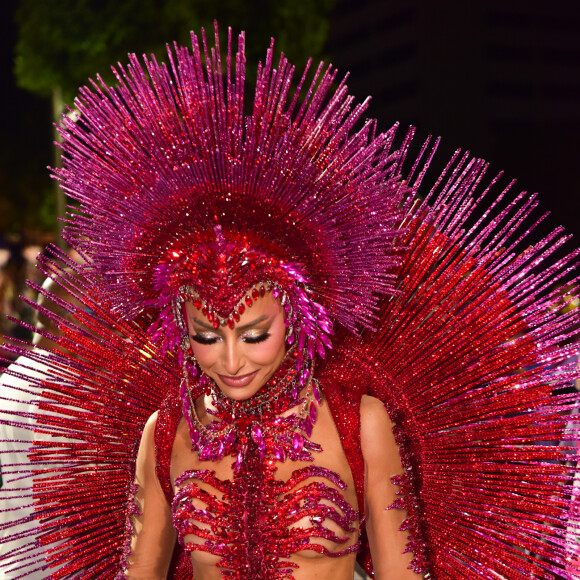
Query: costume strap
[
  {"x": 170, "y": 414},
  {"x": 344, "y": 402}
]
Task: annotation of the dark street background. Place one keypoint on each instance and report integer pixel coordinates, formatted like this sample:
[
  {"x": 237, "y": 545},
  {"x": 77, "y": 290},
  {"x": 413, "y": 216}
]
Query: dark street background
[{"x": 501, "y": 79}]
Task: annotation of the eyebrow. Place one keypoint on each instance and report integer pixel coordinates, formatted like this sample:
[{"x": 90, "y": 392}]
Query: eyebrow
[{"x": 240, "y": 328}]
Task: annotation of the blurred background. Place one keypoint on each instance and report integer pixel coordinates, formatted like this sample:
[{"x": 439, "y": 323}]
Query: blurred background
[{"x": 498, "y": 78}]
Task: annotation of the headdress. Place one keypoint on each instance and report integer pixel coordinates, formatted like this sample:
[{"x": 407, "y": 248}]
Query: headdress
[{"x": 184, "y": 196}]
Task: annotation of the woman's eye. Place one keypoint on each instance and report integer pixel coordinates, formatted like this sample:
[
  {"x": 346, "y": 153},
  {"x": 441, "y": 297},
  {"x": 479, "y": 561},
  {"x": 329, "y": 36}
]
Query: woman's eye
[
  {"x": 201, "y": 339},
  {"x": 255, "y": 339}
]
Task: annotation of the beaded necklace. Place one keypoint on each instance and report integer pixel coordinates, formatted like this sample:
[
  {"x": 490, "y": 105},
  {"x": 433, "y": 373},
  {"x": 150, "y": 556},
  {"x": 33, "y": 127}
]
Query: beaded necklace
[{"x": 262, "y": 419}]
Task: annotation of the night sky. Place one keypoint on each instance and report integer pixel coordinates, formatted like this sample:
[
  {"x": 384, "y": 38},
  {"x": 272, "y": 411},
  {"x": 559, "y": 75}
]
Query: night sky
[{"x": 500, "y": 79}]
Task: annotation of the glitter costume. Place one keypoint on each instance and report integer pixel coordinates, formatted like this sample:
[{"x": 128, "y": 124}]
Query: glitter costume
[
  {"x": 260, "y": 437},
  {"x": 435, "y": 300}
]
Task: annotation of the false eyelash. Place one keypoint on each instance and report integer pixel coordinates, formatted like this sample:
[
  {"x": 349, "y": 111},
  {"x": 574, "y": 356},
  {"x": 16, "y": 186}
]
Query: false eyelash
[
  {"x": 203, "y": 340},
  {"x": 250, "y": 340},
  {"x": 257, "y": 339}
]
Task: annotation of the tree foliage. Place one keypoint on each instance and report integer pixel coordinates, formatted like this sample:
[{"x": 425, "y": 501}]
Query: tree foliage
[{"x": 61, "y": 43}]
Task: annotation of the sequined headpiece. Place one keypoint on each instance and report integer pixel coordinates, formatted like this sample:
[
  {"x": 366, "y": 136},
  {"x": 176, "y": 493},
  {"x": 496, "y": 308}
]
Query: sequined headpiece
[{"x": 185, "y": 196}]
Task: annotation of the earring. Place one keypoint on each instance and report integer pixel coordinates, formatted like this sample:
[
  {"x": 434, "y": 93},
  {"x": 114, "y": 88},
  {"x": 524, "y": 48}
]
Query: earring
[
  {"x": 191, "y": 367},
  {"x": 289, "y": 335},
  {"x": 188, "y": 360}
]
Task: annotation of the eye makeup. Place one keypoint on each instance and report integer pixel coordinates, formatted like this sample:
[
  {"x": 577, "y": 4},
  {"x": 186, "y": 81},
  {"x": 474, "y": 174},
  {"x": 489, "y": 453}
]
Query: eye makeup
[
  {"x": 249, "y": 338},
  {"x": 201, "y": 339},
  {"x": 255, "y": 339}
]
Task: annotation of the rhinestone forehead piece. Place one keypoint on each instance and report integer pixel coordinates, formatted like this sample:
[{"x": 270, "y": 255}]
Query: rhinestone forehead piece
[
  {"x": 224, "y": 273},
  {"x": 232, "y": 316}
]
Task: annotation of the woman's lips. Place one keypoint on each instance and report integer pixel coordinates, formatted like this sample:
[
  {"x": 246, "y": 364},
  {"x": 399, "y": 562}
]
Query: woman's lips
[{"x": 238, "y": 381}]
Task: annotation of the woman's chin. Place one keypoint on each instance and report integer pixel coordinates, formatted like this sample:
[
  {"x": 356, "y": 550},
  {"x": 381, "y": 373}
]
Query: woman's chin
[{"x": 238, "y": 394}]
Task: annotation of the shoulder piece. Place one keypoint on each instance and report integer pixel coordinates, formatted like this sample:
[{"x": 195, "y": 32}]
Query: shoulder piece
[
  {"x": 170, "y": 414},
  {"x": 343, "y": 394}
]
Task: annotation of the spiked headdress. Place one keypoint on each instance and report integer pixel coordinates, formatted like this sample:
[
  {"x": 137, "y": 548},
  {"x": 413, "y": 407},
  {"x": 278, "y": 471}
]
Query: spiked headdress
[{"x": 184, "y": 196}]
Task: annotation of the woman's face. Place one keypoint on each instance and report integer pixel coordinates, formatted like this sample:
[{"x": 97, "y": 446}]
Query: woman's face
[{"x": 241, "y": 359}]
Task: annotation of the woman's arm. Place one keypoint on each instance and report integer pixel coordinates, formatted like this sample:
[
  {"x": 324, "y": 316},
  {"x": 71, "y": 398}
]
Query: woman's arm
[
  {"x": 382, "y": 461},
  {"x": 154, "y": 539}
]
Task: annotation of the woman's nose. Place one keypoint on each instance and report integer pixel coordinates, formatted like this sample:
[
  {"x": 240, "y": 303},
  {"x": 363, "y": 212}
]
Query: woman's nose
[{"x": 233, "y": 357}]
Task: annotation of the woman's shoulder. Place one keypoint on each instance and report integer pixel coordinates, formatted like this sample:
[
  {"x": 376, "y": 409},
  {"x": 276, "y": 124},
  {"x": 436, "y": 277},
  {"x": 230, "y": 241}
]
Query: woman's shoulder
[
  {"x": 152, "y": 421},
  {"x": 373, "y": 411},
  {"x": 147, "y": 444},
  {"x": 376, "y": 429}
]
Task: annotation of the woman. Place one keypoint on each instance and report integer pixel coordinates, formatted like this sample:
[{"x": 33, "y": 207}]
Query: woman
[
  {"x": 301, "y": 519},
  {"x": 337, "y": 365}
]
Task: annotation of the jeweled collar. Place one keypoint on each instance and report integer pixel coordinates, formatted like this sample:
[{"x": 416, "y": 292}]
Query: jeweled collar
[{"x": 261, "y": 420}]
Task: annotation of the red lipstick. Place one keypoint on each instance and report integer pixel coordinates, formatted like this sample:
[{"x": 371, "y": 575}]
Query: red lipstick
[{"x": 238, "y": 381}]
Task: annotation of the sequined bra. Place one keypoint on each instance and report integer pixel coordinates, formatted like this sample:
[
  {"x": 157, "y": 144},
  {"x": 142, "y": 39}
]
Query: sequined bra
[{"x": 253, "y": 521}]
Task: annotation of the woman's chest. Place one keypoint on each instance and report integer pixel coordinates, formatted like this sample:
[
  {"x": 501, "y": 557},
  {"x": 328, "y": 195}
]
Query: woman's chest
[{"x": 261, "y": 512}]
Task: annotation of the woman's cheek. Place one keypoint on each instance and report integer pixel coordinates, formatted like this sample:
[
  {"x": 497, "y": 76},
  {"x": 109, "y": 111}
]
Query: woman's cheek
[
  {"x": 203, "y": 354},
  {"x": 272, "y": 350}
]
